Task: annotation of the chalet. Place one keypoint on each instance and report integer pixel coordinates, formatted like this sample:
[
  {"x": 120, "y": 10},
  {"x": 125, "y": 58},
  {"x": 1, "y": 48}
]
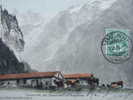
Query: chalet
[
  {"x": 81, "y": 79},
  {"x": 43, "y": 80},
  {"x": 118, "y": 84}
]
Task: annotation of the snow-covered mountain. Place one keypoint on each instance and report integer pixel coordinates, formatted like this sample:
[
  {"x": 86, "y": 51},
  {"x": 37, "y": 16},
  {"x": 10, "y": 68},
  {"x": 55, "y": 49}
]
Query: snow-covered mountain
[{"x": 71, "y": 40}]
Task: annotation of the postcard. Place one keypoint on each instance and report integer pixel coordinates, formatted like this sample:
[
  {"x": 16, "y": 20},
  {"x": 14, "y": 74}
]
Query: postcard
[{"x": 66, "y": 49}]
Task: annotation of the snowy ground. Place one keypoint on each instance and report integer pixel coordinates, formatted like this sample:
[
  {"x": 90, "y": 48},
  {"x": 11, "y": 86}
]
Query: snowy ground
[{"x": 30, "y": 94}]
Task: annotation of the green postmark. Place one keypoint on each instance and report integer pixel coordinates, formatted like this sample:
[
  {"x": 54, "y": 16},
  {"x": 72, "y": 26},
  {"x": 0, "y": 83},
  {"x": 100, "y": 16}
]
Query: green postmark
[{"x": 116, "y": 45}]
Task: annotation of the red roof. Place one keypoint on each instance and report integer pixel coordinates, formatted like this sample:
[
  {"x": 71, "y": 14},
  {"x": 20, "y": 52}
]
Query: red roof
[
  {"x": 81, "y": 75},
  {"x": 28, "y": 75}
]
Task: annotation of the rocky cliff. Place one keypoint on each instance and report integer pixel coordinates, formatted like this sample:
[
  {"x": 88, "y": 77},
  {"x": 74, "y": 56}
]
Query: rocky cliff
[
  {"x": 10, "y": 32},
  {"x": 8, "y": 61},
  {"x": 11, "y": 44}
]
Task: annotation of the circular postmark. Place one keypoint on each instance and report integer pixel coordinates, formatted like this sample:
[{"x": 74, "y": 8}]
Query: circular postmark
[{"x": 116, "y": 47}]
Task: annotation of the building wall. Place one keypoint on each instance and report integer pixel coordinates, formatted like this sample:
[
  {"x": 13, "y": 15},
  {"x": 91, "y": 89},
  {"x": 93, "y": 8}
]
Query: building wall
[
  {"x": 83, "y": 82},
  {"x": 44, "y": 82},
  {"x": 8, "y": 83}
]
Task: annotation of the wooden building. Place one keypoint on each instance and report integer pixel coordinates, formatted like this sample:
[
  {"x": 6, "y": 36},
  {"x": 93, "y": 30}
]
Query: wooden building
[
  {"x": 77, "y": 79},
  {"x": 44, "y": 80}
]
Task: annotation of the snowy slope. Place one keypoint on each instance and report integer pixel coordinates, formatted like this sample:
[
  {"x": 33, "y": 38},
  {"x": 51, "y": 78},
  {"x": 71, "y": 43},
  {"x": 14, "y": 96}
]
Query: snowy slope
[
  {"x": 71, "y": 40},
  {"x": 17, "y": 94},
  {"x": 31, "y": 25}
]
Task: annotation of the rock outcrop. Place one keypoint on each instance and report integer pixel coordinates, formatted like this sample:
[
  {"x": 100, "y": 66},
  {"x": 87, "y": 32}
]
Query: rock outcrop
[
  {"x": 10, "y": 32},
  {"x": 8, "y": 61},
  {"x": 11, "y": 44}
]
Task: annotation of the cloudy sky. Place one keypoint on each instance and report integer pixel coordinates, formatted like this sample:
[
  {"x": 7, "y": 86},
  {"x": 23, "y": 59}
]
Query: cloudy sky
[{"x": 42, "y": 6}]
